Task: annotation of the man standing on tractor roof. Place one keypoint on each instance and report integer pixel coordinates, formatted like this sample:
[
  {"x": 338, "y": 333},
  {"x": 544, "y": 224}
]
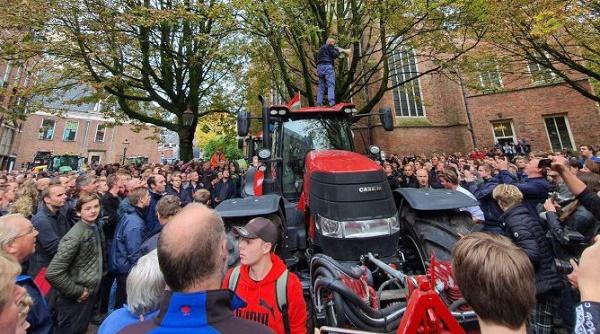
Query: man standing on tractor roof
[
  {"x": 274, "y": 295},
  {"x": 325, "y": 70}
]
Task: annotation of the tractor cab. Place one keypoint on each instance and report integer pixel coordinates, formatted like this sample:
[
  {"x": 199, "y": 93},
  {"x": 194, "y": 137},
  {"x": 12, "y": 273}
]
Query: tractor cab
[
  {"x": 290, "y": 134},
  {"x": 64, "y": 163},
  {"x": 296, "y": 133}
]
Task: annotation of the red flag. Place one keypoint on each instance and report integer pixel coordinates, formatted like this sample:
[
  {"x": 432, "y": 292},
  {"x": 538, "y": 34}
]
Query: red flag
[{"x": 294, "y": 103}]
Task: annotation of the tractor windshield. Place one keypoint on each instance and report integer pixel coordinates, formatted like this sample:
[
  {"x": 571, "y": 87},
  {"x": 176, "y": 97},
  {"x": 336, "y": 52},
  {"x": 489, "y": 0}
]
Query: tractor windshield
[{"x": 304, "y": 135}]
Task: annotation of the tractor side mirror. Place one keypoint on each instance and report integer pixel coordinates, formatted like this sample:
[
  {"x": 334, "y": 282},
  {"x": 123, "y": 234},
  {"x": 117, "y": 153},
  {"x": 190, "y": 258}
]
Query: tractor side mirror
[
  {"x": 387, "y": 121},
  {"x": 243, "y": 123}
]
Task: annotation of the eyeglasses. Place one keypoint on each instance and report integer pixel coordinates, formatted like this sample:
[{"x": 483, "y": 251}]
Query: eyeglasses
[{"x": 31, "y": 230}]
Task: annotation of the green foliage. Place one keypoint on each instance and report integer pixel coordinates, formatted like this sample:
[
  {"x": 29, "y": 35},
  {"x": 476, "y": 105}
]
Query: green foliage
[{"x": 227, "y": 144}]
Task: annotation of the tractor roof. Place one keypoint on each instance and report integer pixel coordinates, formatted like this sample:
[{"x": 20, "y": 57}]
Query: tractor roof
[{"x": 283, "y": 110}]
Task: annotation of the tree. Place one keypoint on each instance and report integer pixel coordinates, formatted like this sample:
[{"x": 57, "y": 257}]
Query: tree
[
  {"x": 560, "y": 37},
  {"x": 227, "y": 144},
  {"x": 151, "y": 59},
  {"x": 214, "y": 125},
  {"x": 294, "y": 30}
]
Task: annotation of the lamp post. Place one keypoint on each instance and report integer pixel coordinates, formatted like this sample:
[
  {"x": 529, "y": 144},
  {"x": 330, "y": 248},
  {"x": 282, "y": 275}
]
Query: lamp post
[
  {"x": 125, "y": 146},
  {"x": 188, "y": 116}
]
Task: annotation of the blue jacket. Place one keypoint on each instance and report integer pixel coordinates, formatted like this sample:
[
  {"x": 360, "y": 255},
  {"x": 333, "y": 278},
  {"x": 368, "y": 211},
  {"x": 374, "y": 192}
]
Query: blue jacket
[
  {"x": 207, "y": 312},
  {"x": 152, "y": 224},
  {"x": 129, "y": 236},
  {"x": 38, "y": 316},
  {"x": 184, "y": 195},
  {"x": 535, "y": 190},
  {"x": 526, "y": 231},
  {"x": 327, "y": 54},
  {"x": 487, "y": 203},
  {"x": 122, "y": 318}
]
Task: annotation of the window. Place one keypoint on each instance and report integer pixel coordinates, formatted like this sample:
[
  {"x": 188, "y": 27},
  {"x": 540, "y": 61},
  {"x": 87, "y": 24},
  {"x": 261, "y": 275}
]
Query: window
[
  {"x": 407, "y": 96},
  {"x": 70, "y": 130},
  {"x": 100, "y": 130},
  {"x": 559, "y": 133},
  {"x": 503, "y": 132},
  {"x": 489, "y": 77},
  {"x": 540, "y": 74},
  {"x": 47, "y": 129}
]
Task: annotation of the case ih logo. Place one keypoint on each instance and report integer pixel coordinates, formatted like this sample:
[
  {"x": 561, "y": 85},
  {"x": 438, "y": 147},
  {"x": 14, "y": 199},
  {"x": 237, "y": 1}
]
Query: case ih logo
[{"x": 370, "y": 189}]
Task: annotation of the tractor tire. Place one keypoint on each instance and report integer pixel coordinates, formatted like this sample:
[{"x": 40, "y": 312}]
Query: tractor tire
[{"x": 438, "y": 236}]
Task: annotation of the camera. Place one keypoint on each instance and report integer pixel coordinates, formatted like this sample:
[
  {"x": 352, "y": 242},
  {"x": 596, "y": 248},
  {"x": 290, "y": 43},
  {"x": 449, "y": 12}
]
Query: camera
[
  {"x": 564, "y": 267},
  {"x": 544, "y": 163}
]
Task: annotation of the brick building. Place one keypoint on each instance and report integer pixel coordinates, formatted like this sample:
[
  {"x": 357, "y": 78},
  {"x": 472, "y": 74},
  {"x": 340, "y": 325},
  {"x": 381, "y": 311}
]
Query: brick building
[
  {"x": 86, "y": 134},
  {"x": 12, "y": 75},
  {"x": 433, "y": 111}
]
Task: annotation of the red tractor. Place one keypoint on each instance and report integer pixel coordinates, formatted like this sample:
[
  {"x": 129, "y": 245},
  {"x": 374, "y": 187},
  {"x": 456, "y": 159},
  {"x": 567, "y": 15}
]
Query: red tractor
[{"x": 362, "y": 251}]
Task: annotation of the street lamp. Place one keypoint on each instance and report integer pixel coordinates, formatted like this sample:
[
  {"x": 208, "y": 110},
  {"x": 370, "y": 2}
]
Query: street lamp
[
  {"x": 188, "y": 116},
  {"x": 125, "y": 145}
]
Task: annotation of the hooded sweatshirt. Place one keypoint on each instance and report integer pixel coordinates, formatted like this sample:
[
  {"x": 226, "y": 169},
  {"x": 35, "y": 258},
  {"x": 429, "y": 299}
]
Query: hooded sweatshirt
[{"x": 261, "y": 298}]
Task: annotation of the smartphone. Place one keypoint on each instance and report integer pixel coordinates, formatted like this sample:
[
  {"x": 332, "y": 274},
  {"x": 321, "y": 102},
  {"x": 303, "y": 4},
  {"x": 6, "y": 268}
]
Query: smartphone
[{"x": 544, "y": 163}]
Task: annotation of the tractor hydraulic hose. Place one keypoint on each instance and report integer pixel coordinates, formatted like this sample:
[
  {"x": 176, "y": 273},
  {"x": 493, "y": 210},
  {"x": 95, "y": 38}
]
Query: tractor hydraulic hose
[
  {"x": 328, "y": 262},
  {"x": 388, "y": 323},
  {"x": 457, "y": 303},
  {"x": 351, "y": 298},
  {"x": 389, "y": 270},
  {"x": 358, "y": 322}
]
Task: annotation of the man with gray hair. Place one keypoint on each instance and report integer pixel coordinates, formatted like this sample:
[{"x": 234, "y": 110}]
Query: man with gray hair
[
  {"x": 17, "y": 238},
  {"x": 145, "y": 286},
  {"x": 194, "y": 274}
]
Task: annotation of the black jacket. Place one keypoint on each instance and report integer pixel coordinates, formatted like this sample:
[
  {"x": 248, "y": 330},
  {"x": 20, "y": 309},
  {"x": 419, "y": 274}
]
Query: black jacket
[
  {"x": 51, "y": 227},
  {"x": 590, "y": 201},
  {"x": 527, "y": 232},
  {"x": 327, "y": 54},
  {"x": 409, "y": 182},
  {"x": 393, "y": 181},
  {"x": 110, "y": 206}
]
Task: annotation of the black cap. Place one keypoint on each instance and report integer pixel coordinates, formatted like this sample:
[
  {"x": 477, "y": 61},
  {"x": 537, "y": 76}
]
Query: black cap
[{"x": 258, "y": 228}]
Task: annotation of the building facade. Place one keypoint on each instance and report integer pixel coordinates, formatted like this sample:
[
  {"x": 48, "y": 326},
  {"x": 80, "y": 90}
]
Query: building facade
[
  {"x": 435, "y": 113},
  {"x": 86, "y": 134}
]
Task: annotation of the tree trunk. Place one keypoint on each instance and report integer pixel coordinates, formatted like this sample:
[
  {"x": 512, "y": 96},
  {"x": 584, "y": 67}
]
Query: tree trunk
[{"x": 186, "y": 143}]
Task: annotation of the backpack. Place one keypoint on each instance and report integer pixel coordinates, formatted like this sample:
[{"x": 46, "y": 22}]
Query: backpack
[{"x": 280, "y": 293}]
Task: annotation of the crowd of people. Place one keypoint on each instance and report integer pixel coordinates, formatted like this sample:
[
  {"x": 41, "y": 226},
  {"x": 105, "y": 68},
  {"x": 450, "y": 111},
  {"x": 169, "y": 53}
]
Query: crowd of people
[{"x": 135, "y": 249}]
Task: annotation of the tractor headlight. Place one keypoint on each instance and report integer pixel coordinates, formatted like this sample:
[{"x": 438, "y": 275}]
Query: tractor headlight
[
  {"x": 329, "y": 227},
  {"x": 282, "y": 112},
  {"x": 273, "y": 112},
  {"x": 357, "y": 228}
]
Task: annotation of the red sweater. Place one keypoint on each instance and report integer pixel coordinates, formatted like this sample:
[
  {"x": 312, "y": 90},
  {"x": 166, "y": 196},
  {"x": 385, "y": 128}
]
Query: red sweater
[{"x": 262, "y": 301}]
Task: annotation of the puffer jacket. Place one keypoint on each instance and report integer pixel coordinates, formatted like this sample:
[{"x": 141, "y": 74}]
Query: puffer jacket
[
  {"x": 129, "y": 236},
  {"x": 79, "y": 262},
  {"x": 527, "y": 232}
]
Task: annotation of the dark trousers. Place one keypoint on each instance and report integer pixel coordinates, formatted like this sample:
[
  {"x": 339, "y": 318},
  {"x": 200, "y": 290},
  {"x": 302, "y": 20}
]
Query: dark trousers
[
  {"x": 104, "y": 295},
  {"x": 121, "y": 295},
  {"x": 73, "y": 317}
]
